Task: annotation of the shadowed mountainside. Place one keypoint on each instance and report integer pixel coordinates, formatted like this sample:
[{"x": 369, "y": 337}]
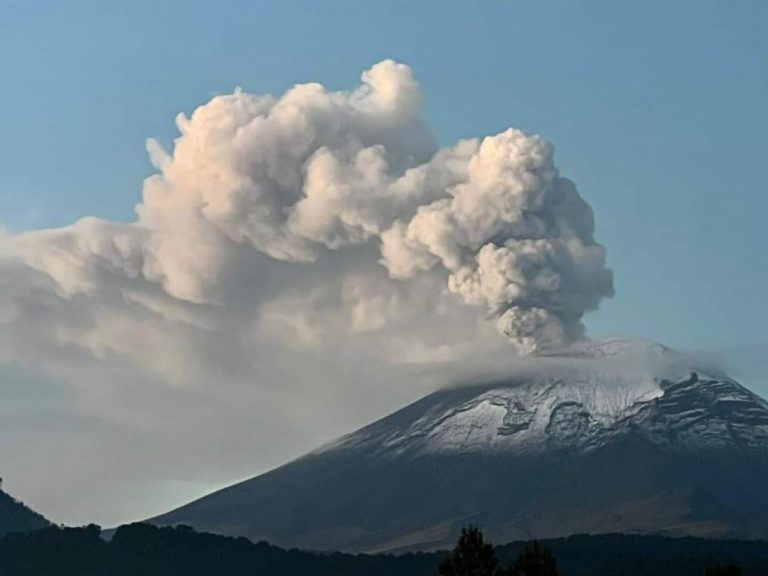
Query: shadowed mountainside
[{"x": 616, "y": 437}]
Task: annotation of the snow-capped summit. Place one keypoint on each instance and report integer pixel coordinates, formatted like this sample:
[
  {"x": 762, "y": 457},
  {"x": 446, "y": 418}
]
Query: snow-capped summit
[
  {"x": 607, "y": 436},
  {"x": 578, "y": 399}
]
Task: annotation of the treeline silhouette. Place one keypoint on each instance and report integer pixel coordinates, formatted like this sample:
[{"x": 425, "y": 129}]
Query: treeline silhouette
[
  {"x": 473, "y": 556},
  {"x": 145, "y": 550},
  {"x": 16, "y": 517}
]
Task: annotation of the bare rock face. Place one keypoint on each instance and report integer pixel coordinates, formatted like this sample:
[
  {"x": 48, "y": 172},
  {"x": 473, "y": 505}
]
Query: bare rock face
[{"x": 616, "y": 436}]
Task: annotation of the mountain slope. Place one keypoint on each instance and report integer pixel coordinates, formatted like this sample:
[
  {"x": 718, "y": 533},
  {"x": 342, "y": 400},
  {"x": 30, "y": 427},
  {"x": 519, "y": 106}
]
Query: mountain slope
[
  {"x": 16, "y": 517},
  {"x": 615, "y": 436}
]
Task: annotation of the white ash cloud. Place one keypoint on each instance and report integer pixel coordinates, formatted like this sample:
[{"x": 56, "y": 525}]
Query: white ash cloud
[
  {"x": 255, "y": 181},
  {"x": 290, "y": 250}
]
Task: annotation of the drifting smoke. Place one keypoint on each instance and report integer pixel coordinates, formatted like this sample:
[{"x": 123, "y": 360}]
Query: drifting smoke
[{"x": 351, "y": 180}]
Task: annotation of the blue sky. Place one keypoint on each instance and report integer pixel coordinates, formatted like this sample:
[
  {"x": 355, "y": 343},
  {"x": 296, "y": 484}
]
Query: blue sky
[{"x": 656, "y": 109}]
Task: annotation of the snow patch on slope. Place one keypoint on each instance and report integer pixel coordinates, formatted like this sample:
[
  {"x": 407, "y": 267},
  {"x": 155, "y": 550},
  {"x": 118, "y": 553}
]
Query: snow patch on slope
[{"x": 578, "y": 399}]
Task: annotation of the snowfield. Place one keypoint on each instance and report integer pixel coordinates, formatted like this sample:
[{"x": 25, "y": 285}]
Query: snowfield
[{"x": 579, "y": 400}]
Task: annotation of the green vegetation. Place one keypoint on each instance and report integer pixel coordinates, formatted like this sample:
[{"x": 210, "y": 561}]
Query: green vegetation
[
  {"x": 145, "y": 550},
  {"x": 16, "y": 517},
  {"x": 473, "y": 556},
  {"x": 534, "y": 560}
]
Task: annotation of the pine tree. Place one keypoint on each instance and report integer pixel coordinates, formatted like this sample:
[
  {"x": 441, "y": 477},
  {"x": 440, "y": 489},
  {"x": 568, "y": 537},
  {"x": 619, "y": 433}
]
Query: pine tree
[
  {"x": 472, "y": 556},
  {"x": 534, "y": 560}
]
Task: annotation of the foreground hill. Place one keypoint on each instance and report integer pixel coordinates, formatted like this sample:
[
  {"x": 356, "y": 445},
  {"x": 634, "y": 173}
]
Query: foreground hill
[
  {"x": 615, "y": 436},
  {"x": 144, "y": 550},
  {"x": 16, "y": 517}
]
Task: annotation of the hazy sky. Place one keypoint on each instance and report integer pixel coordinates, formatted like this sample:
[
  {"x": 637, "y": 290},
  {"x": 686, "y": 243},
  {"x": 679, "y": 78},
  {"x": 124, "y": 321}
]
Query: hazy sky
[{"x": 656, "y": 110}]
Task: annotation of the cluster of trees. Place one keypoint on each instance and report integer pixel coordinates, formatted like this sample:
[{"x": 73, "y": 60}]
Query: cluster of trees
[
  {"x": 146, "y": 550},
  {"x": 474, "y": 556},
  {"x": 16, "y": 517}
]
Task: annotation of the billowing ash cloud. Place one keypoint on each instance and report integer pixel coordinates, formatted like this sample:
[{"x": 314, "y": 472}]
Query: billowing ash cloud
[
  {"x": 342, "y": 182},
  {"x": 299, "y": 266}
]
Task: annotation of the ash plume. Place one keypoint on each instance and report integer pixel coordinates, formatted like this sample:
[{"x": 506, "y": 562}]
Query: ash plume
[
  {"x": 298, "y": 266},
  {"x": 346, "y": 196}
]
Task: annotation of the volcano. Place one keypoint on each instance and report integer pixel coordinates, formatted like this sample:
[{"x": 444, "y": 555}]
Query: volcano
[{"x": 612, "y": 436}]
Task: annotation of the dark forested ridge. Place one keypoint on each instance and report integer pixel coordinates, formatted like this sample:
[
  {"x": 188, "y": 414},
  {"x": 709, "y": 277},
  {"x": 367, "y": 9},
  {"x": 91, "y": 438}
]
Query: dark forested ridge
[
  {"x": 144, "y": 550},
  {"x": 16, "y": 517}
]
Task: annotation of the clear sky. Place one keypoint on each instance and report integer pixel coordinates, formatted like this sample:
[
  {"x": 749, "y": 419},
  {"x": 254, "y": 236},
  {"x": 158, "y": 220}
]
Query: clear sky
[{"x": 657, "y": 110}]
